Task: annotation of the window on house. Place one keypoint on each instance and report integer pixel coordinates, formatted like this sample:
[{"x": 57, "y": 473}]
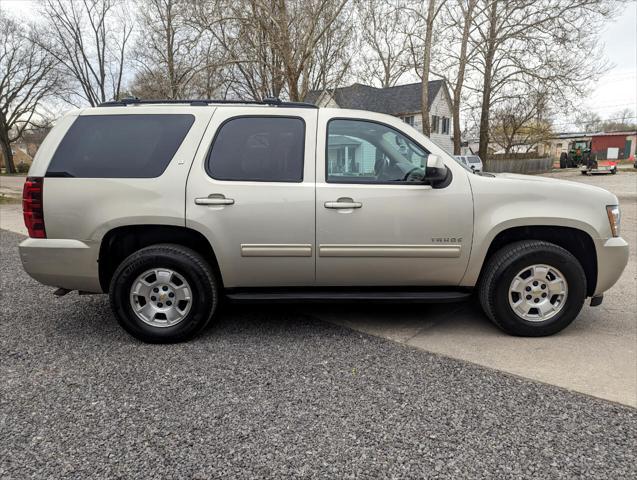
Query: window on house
[
  {"x": 435, "y": 123},
  {"x": 409, "y": 120},
  {"x": 445, "y": 125}
]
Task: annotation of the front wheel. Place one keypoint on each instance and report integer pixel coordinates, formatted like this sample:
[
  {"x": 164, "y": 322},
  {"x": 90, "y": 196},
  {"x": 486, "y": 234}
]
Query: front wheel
[
  {"x": 532, "y": 288},
  {"x": 164, "y": 294}
]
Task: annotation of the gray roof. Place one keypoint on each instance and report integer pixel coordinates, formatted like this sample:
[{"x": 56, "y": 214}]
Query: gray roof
[{"x": 392, "y": 100}]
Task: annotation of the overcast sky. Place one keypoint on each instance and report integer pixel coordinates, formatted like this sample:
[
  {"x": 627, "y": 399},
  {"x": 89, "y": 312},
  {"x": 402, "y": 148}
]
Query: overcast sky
[{"x": 615, "y": 90}]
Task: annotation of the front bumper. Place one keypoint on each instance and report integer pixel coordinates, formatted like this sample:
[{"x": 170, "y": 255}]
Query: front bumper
[
  {"x": 612, "y": 257},
  {"x": 64, "y": 263}
]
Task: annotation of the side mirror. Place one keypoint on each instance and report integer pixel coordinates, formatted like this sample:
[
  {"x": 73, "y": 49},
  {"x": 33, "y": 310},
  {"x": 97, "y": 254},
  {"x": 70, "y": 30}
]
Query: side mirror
[{"x": 436, "y": 173}]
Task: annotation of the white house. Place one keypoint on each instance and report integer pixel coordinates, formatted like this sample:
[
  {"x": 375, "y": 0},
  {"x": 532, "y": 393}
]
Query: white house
[{"x": 401, "y": 101}]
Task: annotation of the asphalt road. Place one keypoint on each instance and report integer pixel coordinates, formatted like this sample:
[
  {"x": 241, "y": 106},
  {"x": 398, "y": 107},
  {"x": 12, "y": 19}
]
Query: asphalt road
[{"x": 273, "y": 393}]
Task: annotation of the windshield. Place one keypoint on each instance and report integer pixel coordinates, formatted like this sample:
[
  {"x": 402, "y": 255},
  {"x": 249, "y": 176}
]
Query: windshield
[{"x": 474, "y": 159}]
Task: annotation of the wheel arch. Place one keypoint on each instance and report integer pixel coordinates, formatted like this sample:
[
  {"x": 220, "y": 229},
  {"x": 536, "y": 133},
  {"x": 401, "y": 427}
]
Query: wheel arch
[
  {"x": 120, "y": 242},
  {"x": 576, "y": 241}
]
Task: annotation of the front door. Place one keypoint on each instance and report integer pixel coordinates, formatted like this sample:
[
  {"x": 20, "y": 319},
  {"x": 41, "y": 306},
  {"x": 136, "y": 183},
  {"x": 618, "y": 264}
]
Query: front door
[
  {"x": 251, "y": 193},
  {"x": 377, "y": 223}
]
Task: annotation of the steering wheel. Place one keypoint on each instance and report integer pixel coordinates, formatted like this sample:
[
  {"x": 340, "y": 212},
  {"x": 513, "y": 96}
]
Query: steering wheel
[{"x": 415, "y": 175}]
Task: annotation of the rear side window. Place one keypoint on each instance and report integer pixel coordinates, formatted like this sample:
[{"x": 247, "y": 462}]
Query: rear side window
[
  {"x": 119, "y": 146},
  {"x": 259, "y": 149}
]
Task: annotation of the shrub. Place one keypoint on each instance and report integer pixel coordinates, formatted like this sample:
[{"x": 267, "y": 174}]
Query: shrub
[{"x": 22, "y": 167}]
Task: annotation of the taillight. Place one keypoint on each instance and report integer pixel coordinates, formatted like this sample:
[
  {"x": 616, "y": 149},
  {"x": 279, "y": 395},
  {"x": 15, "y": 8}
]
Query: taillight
[{"x": 33, "y": 206}]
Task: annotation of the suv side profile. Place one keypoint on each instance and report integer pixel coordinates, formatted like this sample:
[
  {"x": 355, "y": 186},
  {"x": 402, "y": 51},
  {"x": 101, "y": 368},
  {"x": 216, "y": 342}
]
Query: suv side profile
[{"x": 169, "y": 207}]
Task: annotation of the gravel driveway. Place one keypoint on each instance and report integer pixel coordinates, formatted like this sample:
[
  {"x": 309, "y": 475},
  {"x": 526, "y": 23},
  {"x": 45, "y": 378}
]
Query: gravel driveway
[{"x": 269, "y": 392}]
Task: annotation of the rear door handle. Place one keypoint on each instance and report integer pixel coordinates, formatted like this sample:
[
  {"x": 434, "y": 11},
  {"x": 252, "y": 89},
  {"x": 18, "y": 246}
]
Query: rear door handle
[
  {"x": 343, "y": 203},
  {"x": 214, "y": 199}
]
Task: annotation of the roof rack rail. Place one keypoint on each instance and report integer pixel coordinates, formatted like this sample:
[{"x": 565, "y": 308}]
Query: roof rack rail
[{"x": 272, "y": 101}]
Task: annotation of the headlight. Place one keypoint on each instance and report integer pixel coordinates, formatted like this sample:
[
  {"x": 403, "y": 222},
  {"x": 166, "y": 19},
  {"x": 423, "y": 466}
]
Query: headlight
[{"x": 614, "y": 219}]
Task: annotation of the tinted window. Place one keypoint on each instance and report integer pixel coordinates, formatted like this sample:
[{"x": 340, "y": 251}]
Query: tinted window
[
  {"x": 368, "y": 152},
  {"x": 261, "y": 149},
  {"x": 119, "y": 146}
]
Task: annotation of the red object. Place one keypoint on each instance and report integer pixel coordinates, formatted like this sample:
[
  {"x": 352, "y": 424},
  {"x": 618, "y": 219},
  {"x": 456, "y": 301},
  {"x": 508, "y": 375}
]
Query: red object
[
  {"x": 601, "y": 144},
  {"x": 33, "y": 206}
]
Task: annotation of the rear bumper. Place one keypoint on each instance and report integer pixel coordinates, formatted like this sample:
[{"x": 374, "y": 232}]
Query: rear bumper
[
  {"x": 612, "y": 257},
  {"x": 64, "y": 263}
]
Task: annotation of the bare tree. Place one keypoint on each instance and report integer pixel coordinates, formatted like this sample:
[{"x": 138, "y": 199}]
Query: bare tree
[
  {"x": 88, "y": 39},
  {"x": 167, "y": 51},
  {"x": 386, "y": 28},
  {"x": 458, "y": 20},
  {"x": 433, "y": 8},
  {"x": 522, "y": 42},
  {"x": 521, "y": 123},
  {"x": 622, "y": 120},
  {"x": 278, "y": 46},
  {"x": 588, "y": 121},
  {"x": 27, "y": 78}
]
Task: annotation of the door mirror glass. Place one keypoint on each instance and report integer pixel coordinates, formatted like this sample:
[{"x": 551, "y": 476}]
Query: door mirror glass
[{"x": 437, "y": 171}]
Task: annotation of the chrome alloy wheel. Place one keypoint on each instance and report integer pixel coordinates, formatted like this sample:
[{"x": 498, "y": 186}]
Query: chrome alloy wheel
[
  {"x": 161, "y": 297},
  {"x": 538, "y": 293}
]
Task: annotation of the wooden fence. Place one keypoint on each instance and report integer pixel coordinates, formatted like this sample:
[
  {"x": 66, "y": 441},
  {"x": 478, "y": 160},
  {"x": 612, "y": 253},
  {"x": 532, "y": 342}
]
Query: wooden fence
[{"x": 518, "y": 165}]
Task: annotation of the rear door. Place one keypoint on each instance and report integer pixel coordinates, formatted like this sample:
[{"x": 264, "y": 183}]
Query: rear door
[{"x": 251, "y": 193}]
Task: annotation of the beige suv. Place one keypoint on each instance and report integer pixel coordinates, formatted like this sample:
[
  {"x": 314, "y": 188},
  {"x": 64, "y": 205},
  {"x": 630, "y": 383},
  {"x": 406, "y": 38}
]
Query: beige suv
[{"x": 171, "y": 207}]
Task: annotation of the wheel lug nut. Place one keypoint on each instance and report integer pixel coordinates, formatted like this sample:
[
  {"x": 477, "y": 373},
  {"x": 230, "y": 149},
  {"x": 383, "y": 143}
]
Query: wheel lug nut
[
  {"x": 544, "y": 295},
  {"x": 543, "y": 286},
  {"x": 164, "y": 288},
  {"x": 535, "y": 283},
  {"x": 528, "y": 297},
  {"x": 160, "y": 304},
  {"x": 171, "y": 294},
  {"x": 528, "y": 289},
  {"x": 169, "y": 303},
  {"x": 155, "y": 289},
  {"x": 536, "y": 300},
  {"x": 153, "y": 298}
]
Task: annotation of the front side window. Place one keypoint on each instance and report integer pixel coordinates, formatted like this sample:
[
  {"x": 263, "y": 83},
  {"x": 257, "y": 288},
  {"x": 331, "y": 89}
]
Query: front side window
[
  {"x": 259, "y": 149},
  {"x": 360, "y": 151},
  {"x": 119, "y": 146}
]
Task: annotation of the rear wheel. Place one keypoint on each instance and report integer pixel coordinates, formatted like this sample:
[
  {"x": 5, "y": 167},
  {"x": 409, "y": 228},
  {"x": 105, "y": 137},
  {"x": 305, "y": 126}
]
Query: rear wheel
[
  {"x": 164, "y": 294},
  {"x": 532, "y": 288}
]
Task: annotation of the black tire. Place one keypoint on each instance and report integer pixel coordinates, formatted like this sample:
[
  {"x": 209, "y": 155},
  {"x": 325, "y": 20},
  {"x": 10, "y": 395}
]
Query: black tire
[
  {"x": 187, "y": 263},
  {"x": 504, "y": 265}
]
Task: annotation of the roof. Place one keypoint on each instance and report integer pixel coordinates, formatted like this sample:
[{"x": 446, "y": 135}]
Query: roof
[
  {"x": 393, "y": 100},
  {"x": 612, "y": 134},
  {"x": 571, "y": 135}
]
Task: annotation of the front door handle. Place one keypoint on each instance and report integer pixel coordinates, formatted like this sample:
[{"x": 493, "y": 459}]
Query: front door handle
[
  {"x": 214, "y": 199},
  {"x": 343, "y": 203}
]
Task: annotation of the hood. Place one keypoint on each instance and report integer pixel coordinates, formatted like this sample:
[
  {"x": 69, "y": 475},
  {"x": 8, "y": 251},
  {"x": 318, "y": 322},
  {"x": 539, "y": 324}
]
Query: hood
[{"x": 553, "y": 187}]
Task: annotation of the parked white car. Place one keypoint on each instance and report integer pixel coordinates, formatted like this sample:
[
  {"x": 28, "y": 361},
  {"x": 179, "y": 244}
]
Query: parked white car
[
  {"x": 470, "y": 161},
  {"x": 168, "y": 207}
]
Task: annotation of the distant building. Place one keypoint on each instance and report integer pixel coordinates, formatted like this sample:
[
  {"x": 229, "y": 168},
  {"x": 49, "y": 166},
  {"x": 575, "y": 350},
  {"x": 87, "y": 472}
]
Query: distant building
[
  {"x": 403, "y": 101},
  {"x": 615, "y": 145},
  {"x": 606, "y": 146}
]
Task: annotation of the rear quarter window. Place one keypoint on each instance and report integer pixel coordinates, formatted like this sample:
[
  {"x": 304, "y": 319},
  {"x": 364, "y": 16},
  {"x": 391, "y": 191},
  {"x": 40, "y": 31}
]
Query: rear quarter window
[{"x": 119, "y": 146}]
